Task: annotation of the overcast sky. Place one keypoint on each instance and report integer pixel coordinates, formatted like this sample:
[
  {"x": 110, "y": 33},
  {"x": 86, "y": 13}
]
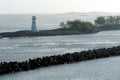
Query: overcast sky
[{"x": 58, "y": 6}]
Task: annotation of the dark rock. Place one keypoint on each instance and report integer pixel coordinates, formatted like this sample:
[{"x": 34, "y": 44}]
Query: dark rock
[{"x": 12, "y": 67}]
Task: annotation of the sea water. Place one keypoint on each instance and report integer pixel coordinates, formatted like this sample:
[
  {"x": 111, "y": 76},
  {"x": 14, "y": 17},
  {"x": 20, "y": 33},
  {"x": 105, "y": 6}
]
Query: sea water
[
  {"x": 23, "y": 48},
  {"x": 20, "y": 49}
]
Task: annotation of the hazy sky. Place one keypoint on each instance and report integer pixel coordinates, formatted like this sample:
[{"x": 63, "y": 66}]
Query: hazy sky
[{"x": 58, "y": 6}]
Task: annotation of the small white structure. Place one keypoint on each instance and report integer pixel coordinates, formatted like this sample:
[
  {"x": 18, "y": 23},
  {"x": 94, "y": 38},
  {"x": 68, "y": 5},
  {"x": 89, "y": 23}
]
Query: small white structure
[{"x": 33, "y": 27}]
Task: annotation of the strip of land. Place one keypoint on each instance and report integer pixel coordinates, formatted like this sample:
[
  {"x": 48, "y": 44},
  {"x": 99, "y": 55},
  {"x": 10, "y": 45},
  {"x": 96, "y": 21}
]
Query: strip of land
[{"x": 54, "y": 32}]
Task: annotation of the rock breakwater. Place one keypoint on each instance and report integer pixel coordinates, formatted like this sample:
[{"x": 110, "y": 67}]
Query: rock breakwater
[{"x": 12, "y": 67}]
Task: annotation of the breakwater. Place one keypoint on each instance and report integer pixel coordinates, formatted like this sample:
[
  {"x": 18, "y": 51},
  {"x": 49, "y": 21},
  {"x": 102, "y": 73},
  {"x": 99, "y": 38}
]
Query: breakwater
[
  {"x": 12, "y": 67},
  {"x": 54, "y": 32}
]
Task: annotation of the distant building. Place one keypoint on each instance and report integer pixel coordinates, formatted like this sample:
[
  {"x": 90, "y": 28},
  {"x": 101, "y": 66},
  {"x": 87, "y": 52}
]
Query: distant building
[{"x": 33, "y": 27}]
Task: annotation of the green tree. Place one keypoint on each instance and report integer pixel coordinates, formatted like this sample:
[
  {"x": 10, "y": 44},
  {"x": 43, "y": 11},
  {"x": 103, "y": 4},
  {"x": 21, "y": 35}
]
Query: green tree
[
  {"x": 108, "y": 23},
  {"x": 79, "y": 25},
  {"x": 100, "y": 21}
]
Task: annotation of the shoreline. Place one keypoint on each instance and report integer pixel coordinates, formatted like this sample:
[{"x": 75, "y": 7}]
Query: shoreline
[
  {"x": 46, "y": 61},
  {"x": 44, "y": 33},
  {"x": 54, "y": 32}
]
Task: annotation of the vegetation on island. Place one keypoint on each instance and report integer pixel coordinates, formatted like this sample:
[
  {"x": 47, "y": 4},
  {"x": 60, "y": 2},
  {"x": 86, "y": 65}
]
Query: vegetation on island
[
  {"x": 101, "y": 24},
  {"x": 78, "y": 25},
  {"x": 108, "y": 23}
]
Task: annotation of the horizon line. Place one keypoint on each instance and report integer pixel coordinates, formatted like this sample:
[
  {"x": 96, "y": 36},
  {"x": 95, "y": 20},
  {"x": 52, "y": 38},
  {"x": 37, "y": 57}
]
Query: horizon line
[{"x": 65, "y": 12}]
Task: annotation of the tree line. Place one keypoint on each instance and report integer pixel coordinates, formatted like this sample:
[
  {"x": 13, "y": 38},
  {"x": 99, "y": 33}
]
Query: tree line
[
  {"x": 78, "y": 25},
  {"x": 101, "y": 23},
  {"x": 108, "y": 23}
]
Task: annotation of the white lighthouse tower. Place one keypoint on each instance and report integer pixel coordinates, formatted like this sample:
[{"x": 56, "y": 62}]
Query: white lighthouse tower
[{"x": 33, "y": 27}]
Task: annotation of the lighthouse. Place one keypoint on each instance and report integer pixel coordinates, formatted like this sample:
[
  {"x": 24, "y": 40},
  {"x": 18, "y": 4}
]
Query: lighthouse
[{"x": 33, "y": 27}]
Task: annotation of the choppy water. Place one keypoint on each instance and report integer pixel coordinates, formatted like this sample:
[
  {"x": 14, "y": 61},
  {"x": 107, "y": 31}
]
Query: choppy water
[
  {"x": 25, "y": 48},
  {"x": 19, "y": 49}
]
